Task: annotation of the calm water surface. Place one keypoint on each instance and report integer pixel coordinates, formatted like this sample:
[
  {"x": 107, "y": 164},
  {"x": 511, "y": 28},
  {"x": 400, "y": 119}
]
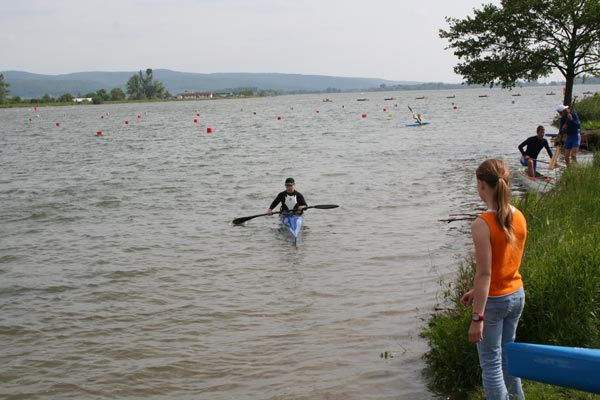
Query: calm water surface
[{"x": 121, "y": 275}]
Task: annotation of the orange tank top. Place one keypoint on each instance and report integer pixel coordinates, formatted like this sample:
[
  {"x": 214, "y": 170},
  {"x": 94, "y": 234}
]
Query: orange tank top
[{"x": 506, "y": 257}]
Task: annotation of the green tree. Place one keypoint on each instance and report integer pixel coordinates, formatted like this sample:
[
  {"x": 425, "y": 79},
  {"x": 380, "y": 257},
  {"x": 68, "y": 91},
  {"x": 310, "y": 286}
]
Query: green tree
[
  {"x": 47, "y": 98},
  {"x": 142, "y": 86},
  {"x": 103, "y": 94},
  {"x": 66, "y": 98},
  {"x": 135, "y": 87},
  {"x": 117, "y": 94},
  {"x": 527, "y": 39},
  {"x": 3, "y": 89}
]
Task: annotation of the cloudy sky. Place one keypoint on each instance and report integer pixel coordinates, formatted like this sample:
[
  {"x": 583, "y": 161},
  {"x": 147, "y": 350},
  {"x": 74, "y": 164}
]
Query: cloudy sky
[{"x": 389, "y": 39}]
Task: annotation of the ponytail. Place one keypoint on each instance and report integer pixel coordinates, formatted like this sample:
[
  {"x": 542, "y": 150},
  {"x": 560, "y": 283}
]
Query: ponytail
[{"x": 496, "y": 174}]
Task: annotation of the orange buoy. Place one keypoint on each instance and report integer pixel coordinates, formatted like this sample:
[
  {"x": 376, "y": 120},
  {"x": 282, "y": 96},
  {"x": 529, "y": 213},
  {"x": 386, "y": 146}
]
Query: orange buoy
[{"x": 209, "y": 130}]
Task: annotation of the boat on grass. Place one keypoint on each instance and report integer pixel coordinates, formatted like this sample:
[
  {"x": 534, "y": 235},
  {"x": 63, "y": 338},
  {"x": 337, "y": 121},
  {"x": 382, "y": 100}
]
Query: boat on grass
[
  {"x": 541, "y": 183},
  {"x": 292, "y": 224},
  {"x": 572, "y": 367}
]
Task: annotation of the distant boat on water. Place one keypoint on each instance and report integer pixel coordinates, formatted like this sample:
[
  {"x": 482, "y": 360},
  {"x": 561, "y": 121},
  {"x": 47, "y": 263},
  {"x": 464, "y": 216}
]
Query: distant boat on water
[
  {"x": 483, "y": 95},
  {"x": 362, "y": 99},
  {"x": 327, "y": 100},
  {"x": 518, "y": 94},
  {"x": 390, "y": 98},
  {"x": 550, "y": 94},
  {"x": 450, "y": 97},
  {"x": 419, "y": 98},
  {"x": 588, "y": 92}
]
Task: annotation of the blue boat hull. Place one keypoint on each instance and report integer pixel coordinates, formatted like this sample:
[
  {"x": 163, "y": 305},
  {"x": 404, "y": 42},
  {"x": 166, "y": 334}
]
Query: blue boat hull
[
  {"x": 571, "y": 367},
  {"x": 293, "y": 225},
  {"x": 417, "y": 124}
]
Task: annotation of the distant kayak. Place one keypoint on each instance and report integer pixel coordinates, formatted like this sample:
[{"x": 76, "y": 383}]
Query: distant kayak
[{"x": 418, "y": 124}]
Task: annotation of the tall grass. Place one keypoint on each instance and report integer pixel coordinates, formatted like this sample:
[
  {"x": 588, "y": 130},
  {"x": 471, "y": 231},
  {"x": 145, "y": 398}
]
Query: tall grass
[{"x": 561, "y": 272}]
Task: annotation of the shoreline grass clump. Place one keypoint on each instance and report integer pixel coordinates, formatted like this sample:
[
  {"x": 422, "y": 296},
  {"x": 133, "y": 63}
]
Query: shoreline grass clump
[{"x": 561, "y": 273}]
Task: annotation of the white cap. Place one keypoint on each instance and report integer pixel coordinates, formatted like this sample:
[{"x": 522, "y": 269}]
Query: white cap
[{"x": 561, "y": 108}]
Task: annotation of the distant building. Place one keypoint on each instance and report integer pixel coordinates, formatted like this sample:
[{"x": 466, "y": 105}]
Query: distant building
[
  {"x": 196, "y": 95},
  {"x": 82, "y": 99}
]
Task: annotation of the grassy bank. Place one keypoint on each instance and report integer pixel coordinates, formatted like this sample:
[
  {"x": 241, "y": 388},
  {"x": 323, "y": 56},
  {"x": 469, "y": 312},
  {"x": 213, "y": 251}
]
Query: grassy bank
[{"x": 561, "y": 271}]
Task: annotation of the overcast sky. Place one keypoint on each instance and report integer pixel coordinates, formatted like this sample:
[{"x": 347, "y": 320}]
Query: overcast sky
[{"x": 389, "y": 39}]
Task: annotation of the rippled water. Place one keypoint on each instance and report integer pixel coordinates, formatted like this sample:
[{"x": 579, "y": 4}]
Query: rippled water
[{"x": 121, "y": 275}]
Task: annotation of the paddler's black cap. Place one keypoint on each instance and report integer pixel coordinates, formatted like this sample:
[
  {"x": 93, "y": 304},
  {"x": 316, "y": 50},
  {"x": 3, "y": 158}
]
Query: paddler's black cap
[{"x": 290, "y": 181}]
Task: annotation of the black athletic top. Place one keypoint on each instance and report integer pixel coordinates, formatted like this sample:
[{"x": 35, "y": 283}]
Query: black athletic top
[
  {"x": 288, "y": 201},
  {"x": 534, "y": 146}
]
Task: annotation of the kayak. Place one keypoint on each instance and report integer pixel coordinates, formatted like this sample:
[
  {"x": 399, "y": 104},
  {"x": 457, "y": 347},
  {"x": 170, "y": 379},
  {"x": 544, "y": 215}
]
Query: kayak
[
  {"x": 571, "y": 367},
  {"x": 417, "y": 124},
  {"x": 540, "y": 183},
  {"x": 292, "y": 224}
]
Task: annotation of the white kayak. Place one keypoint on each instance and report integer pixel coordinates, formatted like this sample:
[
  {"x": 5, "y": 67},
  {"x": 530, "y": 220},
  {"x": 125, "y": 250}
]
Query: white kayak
[{"x": 541, "y": 183}]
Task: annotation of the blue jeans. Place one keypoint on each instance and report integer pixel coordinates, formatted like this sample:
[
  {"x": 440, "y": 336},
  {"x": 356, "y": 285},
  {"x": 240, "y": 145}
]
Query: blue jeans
[{"x": 502, "y": 315}]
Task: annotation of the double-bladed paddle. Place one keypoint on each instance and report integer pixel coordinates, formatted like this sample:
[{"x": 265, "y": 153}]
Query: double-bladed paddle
[{"x": 241, "y": 220}]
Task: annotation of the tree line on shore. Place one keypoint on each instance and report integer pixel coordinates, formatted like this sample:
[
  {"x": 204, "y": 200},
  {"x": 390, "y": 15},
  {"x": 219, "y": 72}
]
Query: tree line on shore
[{"x": 141, "y": 86}]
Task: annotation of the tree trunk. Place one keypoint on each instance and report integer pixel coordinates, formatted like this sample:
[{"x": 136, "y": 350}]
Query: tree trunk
[{"x": 569, "y": 81}]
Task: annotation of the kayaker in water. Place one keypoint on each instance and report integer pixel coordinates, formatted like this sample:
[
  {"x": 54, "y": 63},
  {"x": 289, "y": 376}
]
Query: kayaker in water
[
  {"x": 530, "y": 149},
  {"x": 290, "y": 199}
]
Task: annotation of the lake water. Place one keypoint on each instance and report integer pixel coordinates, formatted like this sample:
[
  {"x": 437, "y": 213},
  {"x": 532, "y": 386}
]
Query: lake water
[{"x": 122, "y": 277}]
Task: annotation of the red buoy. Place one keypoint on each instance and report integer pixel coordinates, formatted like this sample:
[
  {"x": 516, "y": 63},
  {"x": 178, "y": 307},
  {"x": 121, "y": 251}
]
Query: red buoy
[
  {"x": 254, "y": 113},
  {"x": 278, "y": 118},
  {"x": 197, "y": 114},
  {"x": 126, "y": 122},
  {"x": 195, "y": 120},
  {"x": 364, "y": 115},
  {"x": 455, "y": 107},
  {"x": 139, "y": 116},
  {"x": 384, "y": 109},
  {"x": 317, "y": 111},
  {"x": 102, "y": 117},
  {"x": 209, "y": 130},
  {"x": 57, "y": 124},
  {"x": 99, "y": 133}
]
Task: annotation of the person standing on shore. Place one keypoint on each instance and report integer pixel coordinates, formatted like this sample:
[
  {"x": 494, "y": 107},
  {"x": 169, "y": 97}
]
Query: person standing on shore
[
  {"x": 569, "y": 125},
  {"x": 498, "y": 297}
]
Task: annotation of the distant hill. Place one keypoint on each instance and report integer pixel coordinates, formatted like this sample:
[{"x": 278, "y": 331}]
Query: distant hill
[{"x": 28, "y": 85}]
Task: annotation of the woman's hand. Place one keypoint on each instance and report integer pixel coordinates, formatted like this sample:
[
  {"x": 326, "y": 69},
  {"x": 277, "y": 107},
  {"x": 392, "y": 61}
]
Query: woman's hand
[
  {"x": 467, "y": 298},
  {"x": 476, "y": 331}
]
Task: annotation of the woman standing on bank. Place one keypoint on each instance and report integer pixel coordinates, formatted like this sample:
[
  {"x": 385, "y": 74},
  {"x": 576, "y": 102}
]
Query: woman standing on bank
[{"x": 497, "y": 297}]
